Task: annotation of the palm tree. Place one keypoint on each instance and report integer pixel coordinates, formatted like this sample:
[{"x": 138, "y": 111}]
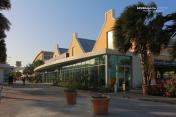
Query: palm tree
[
  {"x": 29, "y": 69},
  {"x": 4, "y": 26},
  {"x": 172, "y": 30},
  {"x": 146, "y": 29},
  {"x": 2, "y": 51},
  {"x": 37, "y": 63}
]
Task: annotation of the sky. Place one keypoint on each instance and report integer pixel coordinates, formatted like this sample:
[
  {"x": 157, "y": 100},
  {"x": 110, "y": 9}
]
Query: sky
[{"x": 41, "y": 24}]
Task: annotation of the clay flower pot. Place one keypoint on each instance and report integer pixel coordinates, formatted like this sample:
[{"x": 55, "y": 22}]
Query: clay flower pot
[
  {"x": 70, "y": 96},
  {"x": 100, "y": 105},
  {"x": 145, "y": 89}
]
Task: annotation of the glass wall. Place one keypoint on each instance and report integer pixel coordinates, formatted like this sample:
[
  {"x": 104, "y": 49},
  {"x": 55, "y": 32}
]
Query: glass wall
[
  {"x": 119, "y": 71},
  {"x": 88, "y": 73},
  {"x": 50, "y": 77}
]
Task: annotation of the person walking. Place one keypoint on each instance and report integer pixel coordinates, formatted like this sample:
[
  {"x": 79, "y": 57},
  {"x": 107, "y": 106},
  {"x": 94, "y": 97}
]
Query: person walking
[
  {"x": 10, "y": 79},
  {"x": 24, "y": 80}
]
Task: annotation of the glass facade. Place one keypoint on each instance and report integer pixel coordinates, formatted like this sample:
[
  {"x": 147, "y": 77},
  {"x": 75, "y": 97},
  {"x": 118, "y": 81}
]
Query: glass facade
[
  {"x": 91, "y": 72},
  {"x": 119, "y": 71}
]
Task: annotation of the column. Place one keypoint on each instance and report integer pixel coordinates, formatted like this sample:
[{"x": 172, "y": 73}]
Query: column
[{"x": 106, "y": 70}]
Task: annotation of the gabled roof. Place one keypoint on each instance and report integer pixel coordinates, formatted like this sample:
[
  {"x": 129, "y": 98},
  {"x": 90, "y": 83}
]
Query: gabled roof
[
  {"x": 58, "y": 51},
  {"x": 44, "y": 52},
  {"x": 86, "y": 44},
  {"x": 108, "y": 25},
  {"x": 62, "y": 50}
]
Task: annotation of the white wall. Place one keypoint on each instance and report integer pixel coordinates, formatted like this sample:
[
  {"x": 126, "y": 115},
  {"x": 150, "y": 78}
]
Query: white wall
[{"x": 5, "y": 69}]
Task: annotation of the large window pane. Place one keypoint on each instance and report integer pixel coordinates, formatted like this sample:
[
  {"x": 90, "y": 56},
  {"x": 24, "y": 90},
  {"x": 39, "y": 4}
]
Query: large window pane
[
  {"x": 110, "y": 40},
  {"x": 119, "y": 67},
  {"x": 102, "y": 59}
]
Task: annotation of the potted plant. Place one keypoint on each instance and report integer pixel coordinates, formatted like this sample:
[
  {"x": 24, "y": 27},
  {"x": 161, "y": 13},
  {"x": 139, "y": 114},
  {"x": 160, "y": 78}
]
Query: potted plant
[
  {"x": 170, "y": 90},
  {"x": 100, "y": 104},
  {"x": 71, "y": 94}
]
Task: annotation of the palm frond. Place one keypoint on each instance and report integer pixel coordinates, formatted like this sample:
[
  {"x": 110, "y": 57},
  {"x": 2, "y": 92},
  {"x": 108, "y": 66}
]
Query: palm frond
[
  {"x": 4, "y": 22},
  {"x": 5, "y": 4}
]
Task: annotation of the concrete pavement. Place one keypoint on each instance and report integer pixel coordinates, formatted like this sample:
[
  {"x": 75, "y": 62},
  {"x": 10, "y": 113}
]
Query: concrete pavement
[{"x": 50, "y": 102}]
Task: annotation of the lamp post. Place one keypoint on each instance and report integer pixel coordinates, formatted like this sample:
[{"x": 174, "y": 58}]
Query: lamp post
[
  {"x": 57, "y": 74},
  {"x": 45, "y": 76},
  {"x": 124, "y": 80},
  {"x": 116, "y": 82},
  {"x": 124, "y": 87}
]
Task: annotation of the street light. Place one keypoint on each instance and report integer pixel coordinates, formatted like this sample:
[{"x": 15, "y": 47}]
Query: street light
[{"x": 116, "y": 82}]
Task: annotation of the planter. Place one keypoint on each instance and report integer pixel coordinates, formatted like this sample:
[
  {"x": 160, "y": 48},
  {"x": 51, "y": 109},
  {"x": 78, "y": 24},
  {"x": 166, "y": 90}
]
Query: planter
[
  {"x": 100, "y": 105},
  {"x": 70, "y": 96},
  {"x": 145, "y": 89}
]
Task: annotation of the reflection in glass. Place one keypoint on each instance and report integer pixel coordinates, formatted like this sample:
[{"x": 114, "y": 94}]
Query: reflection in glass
[
  {"x": 119, "y": 67},
  {"x": 110, "y": 40}
]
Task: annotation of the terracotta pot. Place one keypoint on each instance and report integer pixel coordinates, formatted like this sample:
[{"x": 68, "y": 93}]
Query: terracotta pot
[
  {"x": 70, "y": 96},
  {"x": 100, "y": 105},
  {"x": 145, "y": 89}
]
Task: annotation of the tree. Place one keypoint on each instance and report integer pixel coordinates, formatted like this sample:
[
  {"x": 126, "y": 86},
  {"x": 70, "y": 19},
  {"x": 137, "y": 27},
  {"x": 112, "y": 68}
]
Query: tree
[
  {"x": 143, "y": 30},
  {"x": 172, "y": 30},
  {"x": 4, "y": 26},
  {"x": 17, "y": 74},
  {"x": 3, "y": 55},
  {"x": 38, "y": 63},
  {"x": 29, "y": 69}
]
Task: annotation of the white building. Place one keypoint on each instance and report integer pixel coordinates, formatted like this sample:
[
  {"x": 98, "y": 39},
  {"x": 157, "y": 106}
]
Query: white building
[{"x": 5, "y": 69}]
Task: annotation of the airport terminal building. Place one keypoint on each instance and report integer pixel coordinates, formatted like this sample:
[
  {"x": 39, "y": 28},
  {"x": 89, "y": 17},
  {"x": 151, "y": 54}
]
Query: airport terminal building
[{"x": 97, "y": 61}]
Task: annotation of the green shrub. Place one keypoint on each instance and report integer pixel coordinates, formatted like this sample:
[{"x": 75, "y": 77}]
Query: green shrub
[{"x": 171, "y": 88}]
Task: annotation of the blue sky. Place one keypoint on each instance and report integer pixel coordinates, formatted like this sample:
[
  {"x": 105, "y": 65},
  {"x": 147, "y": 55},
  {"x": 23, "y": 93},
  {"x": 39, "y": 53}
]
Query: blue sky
[{"x": 41, "y": 24}]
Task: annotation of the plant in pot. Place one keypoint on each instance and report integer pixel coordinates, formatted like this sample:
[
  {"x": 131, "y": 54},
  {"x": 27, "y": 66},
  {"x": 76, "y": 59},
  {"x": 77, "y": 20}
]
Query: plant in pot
[
  {"x": 71, "y": 94},
  {"x": 170, "y": 90},
  {"x": 100, "y": 104}
]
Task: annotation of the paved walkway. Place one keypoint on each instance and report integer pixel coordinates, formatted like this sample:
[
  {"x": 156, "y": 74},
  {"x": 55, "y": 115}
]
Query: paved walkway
[
  {"x": 19, "y": 84},
  {"x": 137, "y": 94},
  {"x": 50, "y": 102}
]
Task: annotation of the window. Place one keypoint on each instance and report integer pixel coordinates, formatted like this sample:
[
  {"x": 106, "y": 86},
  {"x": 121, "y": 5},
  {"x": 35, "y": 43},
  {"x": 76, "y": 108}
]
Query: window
[
  {"x": 73, "y": 51},
  {"x": 110, "y": 40},
  {"x": 46, "y": 57}
]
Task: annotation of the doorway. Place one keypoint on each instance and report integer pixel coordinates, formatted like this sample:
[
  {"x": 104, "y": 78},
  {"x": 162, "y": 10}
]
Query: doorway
[{"x": 123, "y": 75}]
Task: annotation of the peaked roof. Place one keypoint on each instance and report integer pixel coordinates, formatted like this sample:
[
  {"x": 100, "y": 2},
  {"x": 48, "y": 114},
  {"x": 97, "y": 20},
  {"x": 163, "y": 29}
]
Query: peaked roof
[
  {"x": 62, "y": 50},
  {"x": 44, "y": 52},
  {"x": 86, "y": 44}
]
